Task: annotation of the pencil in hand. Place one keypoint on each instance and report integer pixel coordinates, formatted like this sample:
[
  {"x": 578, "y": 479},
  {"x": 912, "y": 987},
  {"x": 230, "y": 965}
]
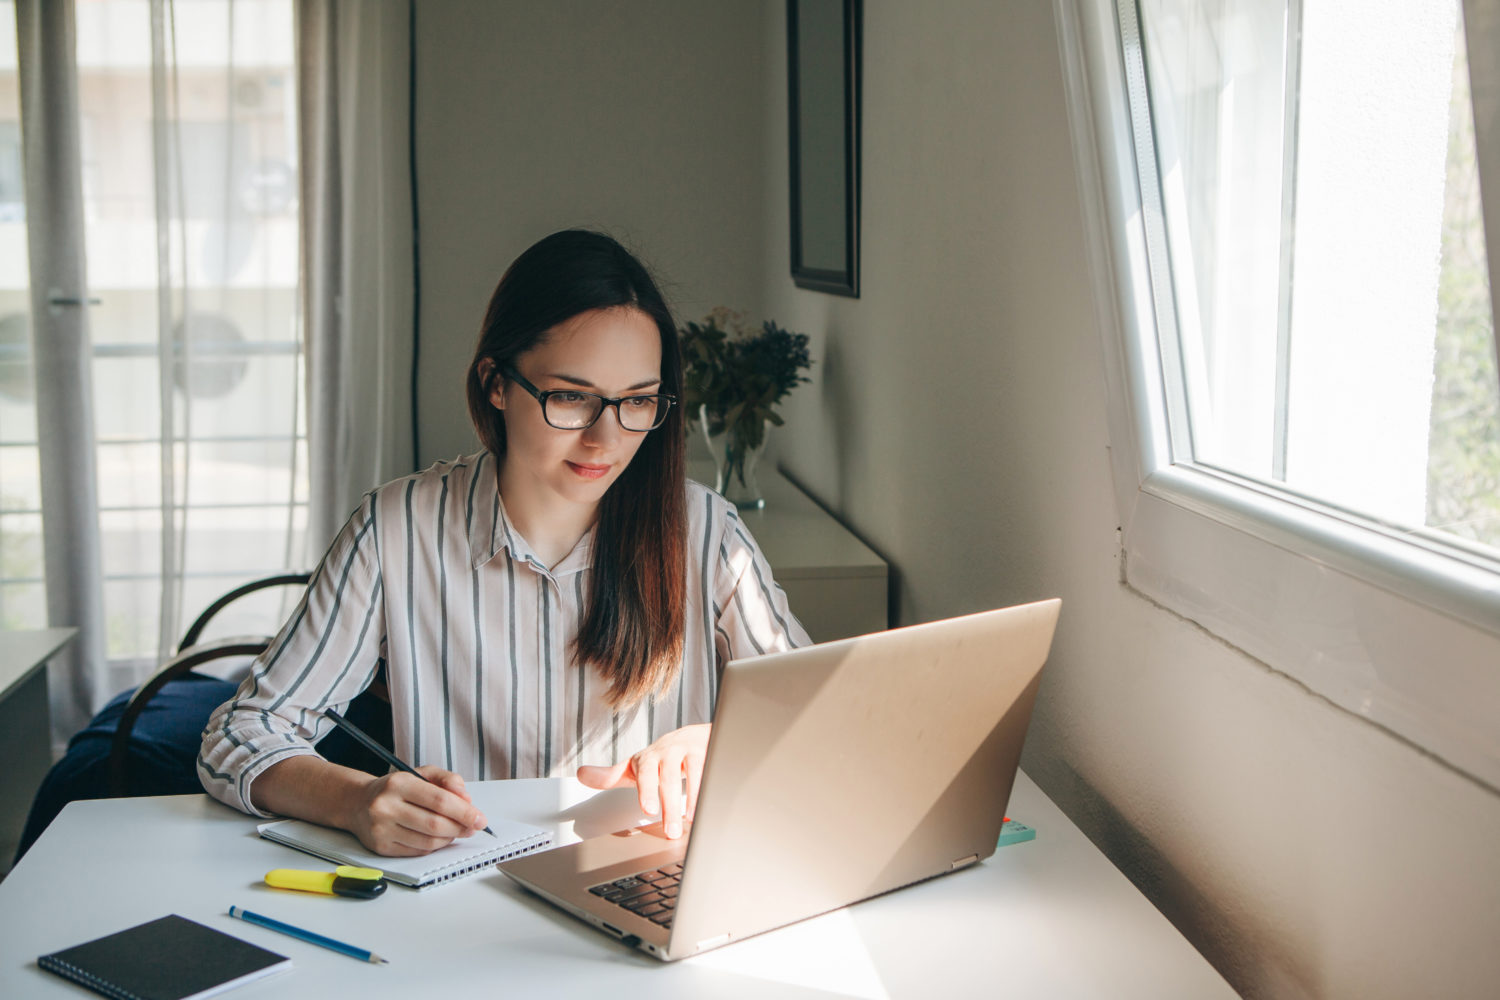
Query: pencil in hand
[{"x": 364, "y": 740}]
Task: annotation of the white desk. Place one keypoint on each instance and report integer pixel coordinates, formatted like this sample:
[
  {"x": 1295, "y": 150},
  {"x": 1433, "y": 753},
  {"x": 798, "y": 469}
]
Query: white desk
[
  {"x": 1050, "y": 918},
  {"x": 25, "y": 731}
]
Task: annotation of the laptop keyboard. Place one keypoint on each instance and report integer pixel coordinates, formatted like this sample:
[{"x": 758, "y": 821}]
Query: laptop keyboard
[{"x": 651, "y": 894}]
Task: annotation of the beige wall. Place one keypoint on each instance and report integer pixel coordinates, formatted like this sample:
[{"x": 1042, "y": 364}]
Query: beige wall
[
  {"x": 1306, "y": 852},
  {"x": 642, "y": 119}
]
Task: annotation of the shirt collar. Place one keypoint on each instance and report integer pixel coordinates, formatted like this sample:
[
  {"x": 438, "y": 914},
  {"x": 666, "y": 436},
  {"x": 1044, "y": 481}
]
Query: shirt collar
[{"x": 491, "y": 530}]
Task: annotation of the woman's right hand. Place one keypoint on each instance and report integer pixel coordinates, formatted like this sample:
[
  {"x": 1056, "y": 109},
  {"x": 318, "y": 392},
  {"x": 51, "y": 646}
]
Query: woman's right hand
[{"x": 399, "y": 815}]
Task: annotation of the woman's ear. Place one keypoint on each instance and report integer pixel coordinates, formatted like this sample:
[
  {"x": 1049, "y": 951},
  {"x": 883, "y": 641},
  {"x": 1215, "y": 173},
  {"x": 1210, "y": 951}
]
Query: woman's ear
[{"x": 496, "y": 382}]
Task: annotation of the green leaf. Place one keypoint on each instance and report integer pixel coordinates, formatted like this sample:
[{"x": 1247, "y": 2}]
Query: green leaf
[{"x": 737, "y": 374}]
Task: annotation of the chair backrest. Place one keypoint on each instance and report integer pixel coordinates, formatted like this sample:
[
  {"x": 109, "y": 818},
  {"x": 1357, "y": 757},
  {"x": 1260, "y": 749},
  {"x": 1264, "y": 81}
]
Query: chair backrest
[
  {"x": 370, "y": 710},
  {"x": 195, "y": 631},
  {"x": 191, "y": 653},
  {"x": 178, "y": 666}
]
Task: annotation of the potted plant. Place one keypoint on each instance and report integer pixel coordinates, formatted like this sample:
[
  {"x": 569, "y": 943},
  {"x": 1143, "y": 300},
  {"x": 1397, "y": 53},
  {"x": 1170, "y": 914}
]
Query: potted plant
[{"x": 733, "y": 377}]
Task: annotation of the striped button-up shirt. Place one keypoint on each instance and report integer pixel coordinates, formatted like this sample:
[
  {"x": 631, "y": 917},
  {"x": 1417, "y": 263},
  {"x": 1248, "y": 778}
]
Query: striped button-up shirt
[{"x": 430, "y": 578}]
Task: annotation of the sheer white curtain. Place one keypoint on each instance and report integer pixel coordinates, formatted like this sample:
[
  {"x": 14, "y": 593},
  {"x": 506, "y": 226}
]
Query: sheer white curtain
[
  {"x": 161, "y": 185},
  {"x": 354, "y": 72},
  {"x": 61, "y": 357}
]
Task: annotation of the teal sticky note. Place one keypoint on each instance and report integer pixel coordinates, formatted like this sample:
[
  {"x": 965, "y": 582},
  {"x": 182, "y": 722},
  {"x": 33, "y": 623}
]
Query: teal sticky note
[{"x": 1012, "y": 832}]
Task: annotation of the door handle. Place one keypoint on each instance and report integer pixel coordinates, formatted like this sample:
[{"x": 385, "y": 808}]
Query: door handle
[{"x": 56, "y": 300}]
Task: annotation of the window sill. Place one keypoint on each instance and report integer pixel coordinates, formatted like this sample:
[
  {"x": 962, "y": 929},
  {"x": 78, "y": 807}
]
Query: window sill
[{"x": 1404, "y": 637}]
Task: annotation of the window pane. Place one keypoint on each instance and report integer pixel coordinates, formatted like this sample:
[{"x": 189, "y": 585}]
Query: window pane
[
  {"x": 1327, "y": 253},
  {"x": 1217, "y": 75},
  {"x": 238, "y": 542},
  {"x": 23, "y": 605},
  {"x": 20, "y": 489},
  {"x": 1463, "y": 468},
  {"x": 23, "y": 597},
  {"x": 132, "y": 607}
]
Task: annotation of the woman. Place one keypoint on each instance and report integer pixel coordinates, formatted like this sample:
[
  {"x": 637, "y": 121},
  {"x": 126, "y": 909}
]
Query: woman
[{"x": 561, "y": 599}]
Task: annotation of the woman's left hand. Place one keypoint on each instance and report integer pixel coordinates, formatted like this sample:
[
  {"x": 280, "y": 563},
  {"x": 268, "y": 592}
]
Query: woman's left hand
[{"x": 657, "y": 772}]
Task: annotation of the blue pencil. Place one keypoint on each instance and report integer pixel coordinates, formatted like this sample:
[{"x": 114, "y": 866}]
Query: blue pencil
[{"x": 308, "y": 936}]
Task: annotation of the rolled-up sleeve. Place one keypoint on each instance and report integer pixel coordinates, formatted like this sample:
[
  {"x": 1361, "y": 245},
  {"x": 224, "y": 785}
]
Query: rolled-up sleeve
[
  {"x": 325, "y": 655},
  {"x": 751, "y": 609}
]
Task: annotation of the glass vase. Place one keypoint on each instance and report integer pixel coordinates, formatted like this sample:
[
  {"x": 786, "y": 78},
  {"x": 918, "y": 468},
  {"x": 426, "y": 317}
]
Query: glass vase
[{"x": 736, "y": 461}]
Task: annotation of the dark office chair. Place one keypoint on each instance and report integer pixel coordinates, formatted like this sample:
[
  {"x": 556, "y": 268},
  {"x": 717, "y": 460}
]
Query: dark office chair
[
  {"x": 174, "y": 698},
  {"x": 145, "y": 741}
]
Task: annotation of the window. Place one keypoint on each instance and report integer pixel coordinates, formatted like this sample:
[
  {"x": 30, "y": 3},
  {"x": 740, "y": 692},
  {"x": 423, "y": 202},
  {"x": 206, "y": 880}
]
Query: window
[
  {"x": 1333, "y": 330},
  {"x": 188, "y": 168},
  {"x": 1293, "y": 274}
]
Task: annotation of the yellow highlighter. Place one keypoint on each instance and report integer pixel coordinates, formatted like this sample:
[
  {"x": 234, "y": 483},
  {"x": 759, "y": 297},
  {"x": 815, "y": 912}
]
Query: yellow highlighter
[{"x": 345, "y": 880}]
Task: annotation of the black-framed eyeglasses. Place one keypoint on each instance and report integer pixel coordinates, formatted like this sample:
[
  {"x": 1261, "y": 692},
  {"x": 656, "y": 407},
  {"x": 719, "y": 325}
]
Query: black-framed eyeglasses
[{"x": 575, "y": 410}]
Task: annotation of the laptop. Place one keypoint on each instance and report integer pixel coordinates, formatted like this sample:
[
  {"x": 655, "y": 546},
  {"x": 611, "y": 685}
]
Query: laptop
[{"x": 835, "y": 772}]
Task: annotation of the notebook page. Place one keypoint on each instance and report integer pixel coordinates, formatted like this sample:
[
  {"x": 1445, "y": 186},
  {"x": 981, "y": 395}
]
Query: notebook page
[{"x": 462, "y": 857}]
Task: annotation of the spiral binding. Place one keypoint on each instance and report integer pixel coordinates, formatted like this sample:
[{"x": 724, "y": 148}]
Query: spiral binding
[
  {"x": 69, "y": 971},
  {"x": 486, "y": 863}
]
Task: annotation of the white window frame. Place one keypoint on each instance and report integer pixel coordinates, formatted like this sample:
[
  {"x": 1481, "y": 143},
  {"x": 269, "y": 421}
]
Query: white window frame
[{"x": 1398, "y": 633}]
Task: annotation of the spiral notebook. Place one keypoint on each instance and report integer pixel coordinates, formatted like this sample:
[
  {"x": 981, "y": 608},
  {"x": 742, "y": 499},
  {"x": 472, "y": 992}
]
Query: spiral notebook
[
  {"x": 460, "y": 858},
  {"x": 171, "y": 958}
]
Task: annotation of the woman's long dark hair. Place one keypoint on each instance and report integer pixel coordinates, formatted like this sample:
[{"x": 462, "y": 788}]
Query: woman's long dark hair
[{"x": 634, "y": 618}]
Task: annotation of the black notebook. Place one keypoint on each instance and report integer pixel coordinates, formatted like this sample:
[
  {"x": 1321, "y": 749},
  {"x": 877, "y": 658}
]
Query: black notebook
[{"x": 172, "y": 958}]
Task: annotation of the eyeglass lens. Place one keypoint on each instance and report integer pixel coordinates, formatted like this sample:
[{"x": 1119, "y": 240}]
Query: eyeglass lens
[{"x": 572, "y": 410}]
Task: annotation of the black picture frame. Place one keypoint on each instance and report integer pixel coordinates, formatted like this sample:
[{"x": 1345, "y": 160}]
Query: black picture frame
[{"x": 823, "y": 89}]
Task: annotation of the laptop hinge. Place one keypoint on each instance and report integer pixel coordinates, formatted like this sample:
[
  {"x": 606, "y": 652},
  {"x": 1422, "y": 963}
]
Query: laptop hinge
[
  {"x": 712, "y": 942},
  {"x": 964, "y": 861}
]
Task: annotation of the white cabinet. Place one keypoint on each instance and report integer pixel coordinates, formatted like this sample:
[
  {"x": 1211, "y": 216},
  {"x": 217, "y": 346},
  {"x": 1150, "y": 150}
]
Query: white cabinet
[
  {"x": 836, "y": 585},
  {"x": 25, "y": 733}
]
